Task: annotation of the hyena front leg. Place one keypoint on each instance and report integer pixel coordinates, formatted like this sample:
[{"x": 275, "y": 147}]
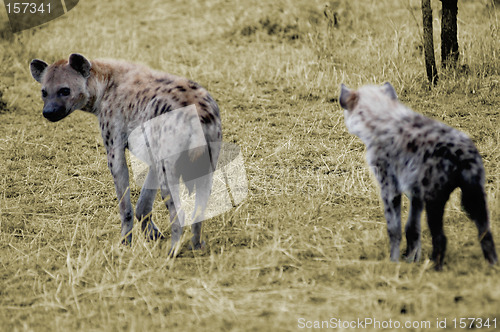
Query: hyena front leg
[
  {"x": 203, "y": 190},
  {"x": 145, "y": 206},
  {"x": 118, "y": 166},
  {"x": 412, "y": 230},
  {"x": 169, "y": 187}
]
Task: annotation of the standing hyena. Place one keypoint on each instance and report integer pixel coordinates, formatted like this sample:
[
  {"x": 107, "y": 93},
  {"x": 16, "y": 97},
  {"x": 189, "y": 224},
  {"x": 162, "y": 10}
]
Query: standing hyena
[
  {"x": 124, "y": 97},
  {"x": 425, "y": 159}
]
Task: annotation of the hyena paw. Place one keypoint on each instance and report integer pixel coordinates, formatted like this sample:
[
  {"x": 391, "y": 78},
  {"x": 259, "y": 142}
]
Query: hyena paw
[
  {"x": 197, "y": 246},
  {"x": 127, "y": 240},
  {"x": 412, "y": 255}
]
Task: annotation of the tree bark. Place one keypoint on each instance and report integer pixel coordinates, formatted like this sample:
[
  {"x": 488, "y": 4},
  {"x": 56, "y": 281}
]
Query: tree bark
[
  {"x": 430, "y": 61},
  {"x": 449, "y": 35}
]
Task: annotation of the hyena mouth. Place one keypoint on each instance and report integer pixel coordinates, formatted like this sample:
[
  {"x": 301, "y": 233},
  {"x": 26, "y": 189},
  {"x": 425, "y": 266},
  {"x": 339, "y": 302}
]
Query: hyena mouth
[{"x": 55, "y": 113}]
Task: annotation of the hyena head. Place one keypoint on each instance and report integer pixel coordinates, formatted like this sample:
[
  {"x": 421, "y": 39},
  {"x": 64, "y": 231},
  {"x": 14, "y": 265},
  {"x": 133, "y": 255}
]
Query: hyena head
[
  {"x": 64, "y": 85},
  {"x": 367, "y": 104}
]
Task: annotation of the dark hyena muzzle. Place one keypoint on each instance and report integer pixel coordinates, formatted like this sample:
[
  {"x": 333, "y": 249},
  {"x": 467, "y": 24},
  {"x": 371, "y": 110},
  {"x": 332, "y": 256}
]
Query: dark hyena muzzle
[{"x": 55, "y": 111}]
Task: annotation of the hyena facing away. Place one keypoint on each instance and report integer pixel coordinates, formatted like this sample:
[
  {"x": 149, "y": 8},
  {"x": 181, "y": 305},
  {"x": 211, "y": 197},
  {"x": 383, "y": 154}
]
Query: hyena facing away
[
  {"x": 422, "y": 158},
  {"x": 124, "y": 97}
]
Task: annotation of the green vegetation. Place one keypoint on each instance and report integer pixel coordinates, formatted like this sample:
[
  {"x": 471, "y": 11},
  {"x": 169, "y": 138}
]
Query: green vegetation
[{"x": 310, "y": 240}]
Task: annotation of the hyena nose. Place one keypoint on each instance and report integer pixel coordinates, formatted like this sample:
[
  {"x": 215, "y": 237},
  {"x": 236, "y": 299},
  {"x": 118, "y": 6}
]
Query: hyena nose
[{"x": 54, "y": 112}]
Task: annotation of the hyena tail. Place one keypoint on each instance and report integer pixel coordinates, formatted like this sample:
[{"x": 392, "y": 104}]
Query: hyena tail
[{"x": 474, "y": 204}]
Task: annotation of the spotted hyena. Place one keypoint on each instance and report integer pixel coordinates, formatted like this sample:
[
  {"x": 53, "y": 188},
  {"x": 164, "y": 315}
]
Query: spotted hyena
[
  {"x": 422, "y": 158},
  {"x": 125, "y": 97}
]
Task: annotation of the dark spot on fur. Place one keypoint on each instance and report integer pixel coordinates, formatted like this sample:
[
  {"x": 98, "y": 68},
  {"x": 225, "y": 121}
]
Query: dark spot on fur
[
  {"x": 207, "y": 118},
  {"x": 412, "y": 146},
  {"x": 459, "y": 152},
  {"x": 450, "y": 145},
  {"x": 418, "y": 124},
  {"x": 193, "y": 85},
  {"x": 184, "y": 103},
  {"x": 425, "y": 182},
  {"x": 180, "y": 88},
  {"x": 163, "y": 81},
  {"x": 441, "y": 151},
  {"x": 426, "y": 155},
  {"x": 165, "y": 108}
]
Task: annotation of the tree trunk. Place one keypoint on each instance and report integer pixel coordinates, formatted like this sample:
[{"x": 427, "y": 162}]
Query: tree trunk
[
  {"x": 430, "y": 61},
  {"x": 449, "y": 39}
]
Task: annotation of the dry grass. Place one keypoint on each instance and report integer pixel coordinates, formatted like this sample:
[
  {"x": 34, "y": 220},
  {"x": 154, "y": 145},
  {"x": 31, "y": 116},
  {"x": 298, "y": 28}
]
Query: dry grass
[{"x": 310, "y": 240}]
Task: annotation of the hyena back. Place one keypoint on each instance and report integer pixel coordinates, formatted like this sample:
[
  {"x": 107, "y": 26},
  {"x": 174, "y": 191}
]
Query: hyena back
[
  {"x": 422, "y": 158},
  {"x": 125, "y": 96}
]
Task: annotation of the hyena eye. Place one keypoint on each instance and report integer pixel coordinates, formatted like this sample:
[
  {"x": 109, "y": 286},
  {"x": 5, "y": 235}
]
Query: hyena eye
[
  {"x": 44, "y": 93},
  {"x": 64, "y": 91}
]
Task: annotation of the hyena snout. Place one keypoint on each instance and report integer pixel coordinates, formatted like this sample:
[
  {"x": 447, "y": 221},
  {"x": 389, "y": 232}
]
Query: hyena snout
[{"x": 55, "y": 111}]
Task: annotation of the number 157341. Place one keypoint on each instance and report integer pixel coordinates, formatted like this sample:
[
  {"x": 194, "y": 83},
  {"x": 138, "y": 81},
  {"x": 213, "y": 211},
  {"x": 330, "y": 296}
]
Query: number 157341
[
  {"x": 27, "y": 8},
  {"x": 477, "y": 323}
]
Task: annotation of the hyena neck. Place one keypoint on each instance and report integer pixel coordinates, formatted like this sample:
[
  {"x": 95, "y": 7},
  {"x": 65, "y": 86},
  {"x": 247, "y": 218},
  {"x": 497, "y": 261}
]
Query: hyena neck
[{"x": 97, "y": 85}]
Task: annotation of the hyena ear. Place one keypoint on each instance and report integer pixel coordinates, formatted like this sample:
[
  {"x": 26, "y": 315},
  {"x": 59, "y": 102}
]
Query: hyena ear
[
  {"x": 348, "y": 99},
  {"x": 390, "y": 91},
  {"x": 37, "y": 68},
  {"x": 80, "y": 64}
]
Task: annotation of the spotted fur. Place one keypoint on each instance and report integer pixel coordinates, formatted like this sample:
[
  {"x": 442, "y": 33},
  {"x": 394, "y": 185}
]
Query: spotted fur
[
  {"x": 422, "y": 158},
  {"x": 124, "y": 96}
]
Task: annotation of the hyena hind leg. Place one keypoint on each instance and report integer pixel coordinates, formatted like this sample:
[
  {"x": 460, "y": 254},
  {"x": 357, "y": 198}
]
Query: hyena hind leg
[
  {"x": 412, "y": 230},
  {"x": 435, "y": 211},
  {"x": 474, "y": 203},
  {"x": 145, "y": 206}
]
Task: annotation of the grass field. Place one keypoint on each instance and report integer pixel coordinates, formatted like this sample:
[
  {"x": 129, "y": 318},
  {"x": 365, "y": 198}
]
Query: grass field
[{"x": 310, "y": 241}]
